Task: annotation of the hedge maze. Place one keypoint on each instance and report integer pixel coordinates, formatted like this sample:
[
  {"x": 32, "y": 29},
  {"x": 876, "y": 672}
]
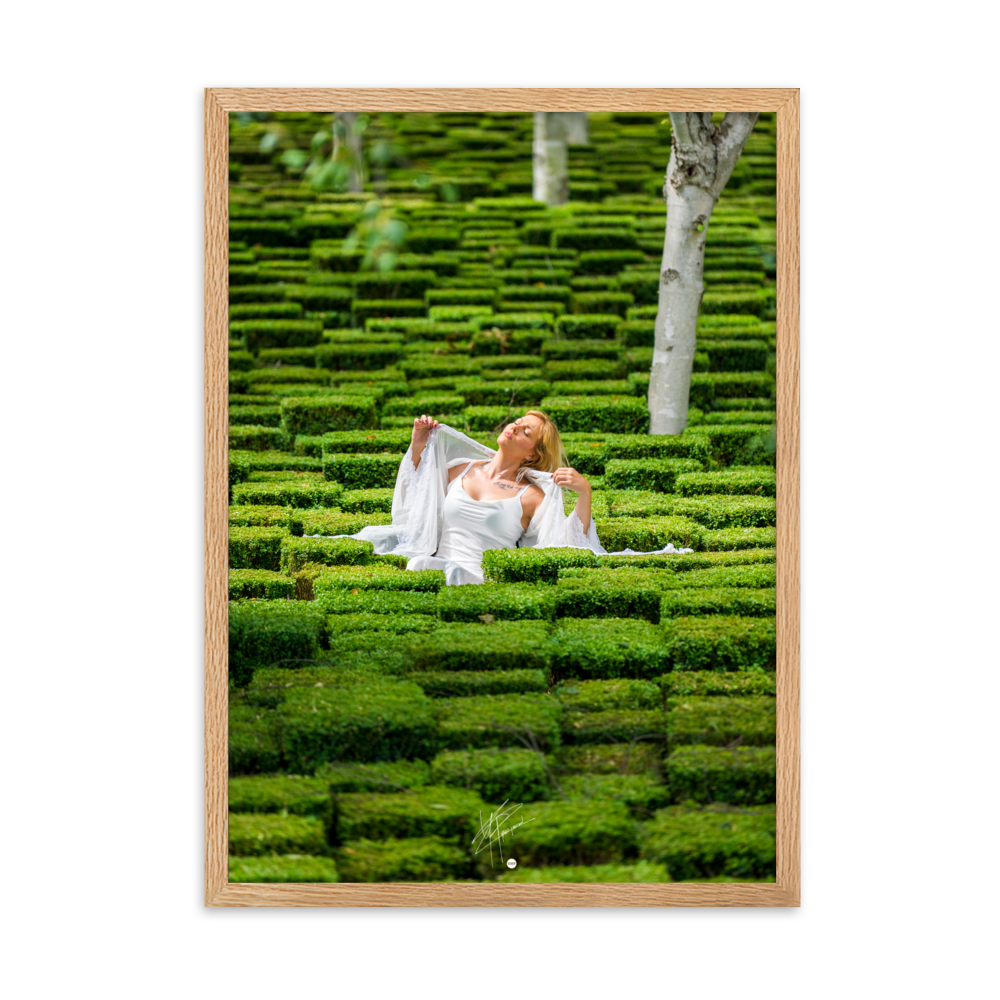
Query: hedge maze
[{"x": 626, "y": 703}]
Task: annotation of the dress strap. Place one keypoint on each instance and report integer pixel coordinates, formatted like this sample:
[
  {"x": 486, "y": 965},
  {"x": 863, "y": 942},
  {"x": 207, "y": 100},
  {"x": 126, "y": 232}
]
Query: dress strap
[
  {"x": 466, "y": 469},
  {"x": 523, "y": 488}
]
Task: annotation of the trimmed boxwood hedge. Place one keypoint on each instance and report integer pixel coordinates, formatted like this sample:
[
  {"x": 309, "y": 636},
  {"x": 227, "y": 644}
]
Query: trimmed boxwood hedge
[
  {"x": 647, "y": 534},
  {"x": 469, "y": 683},
  {"x": 334, "y": 522},
  {"x": 741, "y": 776},
  {"x": 751, "y": 482},
  {"x": 703, "y": 682},
  {"x": 359, "y": 575},
  {"x": 429, "y": 810},
  {"x": 255, "y": 547},
  {"x": 642, "y": 871},
  {"x": 258, "y": 333},
  {"x": 598, "y": 413},
  {"x": 503, "y": 644},
  {"x": 496, "y": 775},
  {"x": 271, "y": 633},
  {"x": 587, "y": 326},
  {"x": 262, "y": 583},
  {"x": 357, "y": 357},
  {"x": 261, "y": 834},
  {"x": 607, "y": 648},
  {"x": 298, "y": 552},
  {"x": 418, "y": 859},
  {"x": 366, "y": 501},
  {"x": 256, "y": 415},
  {"x": 283, "y": 868},
  {"x": 731, "y": 539},
  {"x": 499, "y": 721},
  {"x": 250, "y": 437},
  {"x": 321, "y": 414},
  {"x": 342, "y": 442},
  {"x": 499, "y": 601},
  {"x": 718, "y": 601},
  {"x": 609, "y": 695},
  {"x": 737, "y": 843},
  {"x": 287, "y": 493},
  {"x": 532, "y": 565},
  {"x": 720, "y": 642},
  {"x": 340, "y": 601},
  {"x": 657, "y": 474},
  {"x": 593, "y": 595},
  {"x": 280, "y": 793},
  {"x": 717, "y": 721},
  {"x": 362, "y": 470}
]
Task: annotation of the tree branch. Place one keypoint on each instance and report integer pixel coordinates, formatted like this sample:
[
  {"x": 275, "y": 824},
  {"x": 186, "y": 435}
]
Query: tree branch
[{"x": 731, "y": 138}]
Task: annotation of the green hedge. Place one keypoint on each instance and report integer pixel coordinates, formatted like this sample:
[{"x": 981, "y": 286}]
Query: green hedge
[
  {"x": 297, "y": 552},
  {"x": 512, "y": 391},
  {"x": 425, "y": 403},
  {"x": 262, "y": 583},
  {"x": 366, "y": 501},
  {"x": 266, "y": 310},
  {"x": 339, "y": 777},
  {"x": 731, "y": 539},
  {"x": 598, "y": 413},
  {"x": 587, "y": 326},
  {"x": 362, "y": 470},
  {"x": 634, "y": 446},
  {"x": 718, "y": 601},
  {"x": 609, "y": 695},
  {"x": 593, "y": 595},
  {"x": 642, "y": 871},
  {"x": 642, "y": 794},
  {"x": 343, "y": 442},
  {"x": 656, "y": 474},
  {"x": 532, "y": 565},
  {"x": 718, "y": 721},
  {"x": 588, "y": 369},
  {"x": 594, "y": 239},
  {"x": 485, "y": 418},
  {"x": 248, "y": 437},
  {"x": 281, "y": 793},
  {"x": 334, "y": 522},
  {"x": 571, "y": 833},
  {"x": 640, "y": 757},
  {"x": 254, "y": 415},
  {"x": 420, "y": 859},
  {"x": 500, "y": 601},
  {"x": 578, "y": 350},
  {"x": 470, "y": 683},
  {"x": 283, "y": 868},
  {"x": 374, "y": 720},
  {"x": 480, "y": 647},
  {"x": 499, "y": 721},
  {"x": 607, "y": 648},
  {"x": 647, "y": 534},
  {"x": 259, "y": 333},
  {"x": 271, "y": 633},
  {"x": 602, "y": 303},
  {"x": 430, "y": 810},
  {"x": 607, "y": 261},
  {"x": 720, "y": 642},
  {"x": 288, "y": 493},
  {"x": 394, "y": 284},
  {"x": 322, "y": 414},
  {"x": 703, "y": 682},
  {"x": 255, "y": 547},
  {"x": 357, "y": 357},
  {"x": 376, "y": 576},
  {"x": 261, "y": 834},
  {"x": 378, "y": 602},
  {"x": 752, "y": 482},
  {"x": 741, "y": 776},
  {"x": 496, "y": 775},
  {"x": 738, "y": 843},
  {"x": 636, "y": 333},
  {"x": 735, "y": 355}
]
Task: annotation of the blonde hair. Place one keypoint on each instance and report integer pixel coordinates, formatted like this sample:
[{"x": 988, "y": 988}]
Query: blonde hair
[{"x": 549, "y": 450}]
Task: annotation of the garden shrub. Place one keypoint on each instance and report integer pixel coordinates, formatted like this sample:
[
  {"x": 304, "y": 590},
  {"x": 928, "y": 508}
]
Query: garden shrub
[
  {"x": 321, "y": 414},
  {"x": 260, "y": 583},
  {"x": 366, "y": 441},
  {"x": 427, "y": 403},
  {"x": 376, "y": 576},
  {"x": 587, "y": 326},
  {"x": 703, "y": 682},
  {"x": 532, "y": 565},
  {"x": 603, "y": 303},
  {"x": 739, "y": 538},
  {"x": 259, "y": 333},
  {"x": 751, "y": 482},
  {"x": 499, "y": 721},
  {"x": 259, "y": 834},
  {"x": 429, "y": 810},
  {"x": 340, "y": 601},
  {"x": 642, "y": 871},
  {"x": 741, "y": 776},
  {"x": 607, "y": 261},
  {"x": 572, "y": 833},
  {"x": 281, "y": 793},
  {"x": 469, "y": 683},
  {"x": 241, "y": 361},
  {"x": 361, "y": 470},
  {"x": 357, "y": 356},
  {"x": 496, "y": 775},
  {"x": 593, "y": 238},
  {"x": 593, "y": 595},
  {"x": 579, "y": 350},
  {"x": 593, "y": 387},
  {"x": 271, "y": 633},
  {"x": 420, "y": 859},
  {"x": 259, "y": 516},
  {"x": 287, "y": 493},
  {"x": 485, "y": 418},
  {"x": 480, "y": 647},
  {"x": 283, "y": 868},
  {"x": 296, "y": 553},
  {"x": 248, "y": 437},
  {"x": 254, "y": 415},
  {"x": 656, "y": 474},
  {"x": 239, "y": 468},
  {"x": 334, "y": 522},
  {"x": 642, "y": 794},
  {"x": 600, "y": 413},
  {"x": 607, "y": 648},
  {"x": 509, "y": 392},
  {"x": 609, "y": 695},
  {"x": 720, "y": 642},
  {"x": 393, "y": 284},
  {"x": 396, "y": 776},
  {"x": 761, "y": 574},
  {"x": 643, "y": 286},
  {"x": 254, "y": 746},
  {"x": 718, "y": 601},
  {"x": 460, "y": 296},
  {"x": 585, "y": 369},
  {"x": 266, "y": 310},
  {"x": 401, "y": 624},
  {"x": 614, "y": 726},
  {"x": 500, "y": 601},
  {"x": 756, "y": 302},
  {"x": 255, "y": 547},
  {"x": 373, "y": 720},
  {"x": 366, "y": 501},
  {"x": 635, "y": 333},
  {"x": 735, "y": 355},
  {"x": 647, "y": 534},
  {"x": 738, "y": 843},
  {"x": 717, "y": 721}
]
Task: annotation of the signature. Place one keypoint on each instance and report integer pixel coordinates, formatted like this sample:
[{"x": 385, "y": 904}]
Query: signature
[{"x": 495, "y": 828}]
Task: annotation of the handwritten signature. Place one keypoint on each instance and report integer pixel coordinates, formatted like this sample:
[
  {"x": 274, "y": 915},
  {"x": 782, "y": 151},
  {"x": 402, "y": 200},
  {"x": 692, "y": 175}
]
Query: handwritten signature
[{"x": 495, "y": 828}]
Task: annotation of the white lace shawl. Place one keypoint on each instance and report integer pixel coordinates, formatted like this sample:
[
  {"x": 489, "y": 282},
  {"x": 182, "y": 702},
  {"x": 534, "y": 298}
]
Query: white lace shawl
[{"x": 418, "y": 501}]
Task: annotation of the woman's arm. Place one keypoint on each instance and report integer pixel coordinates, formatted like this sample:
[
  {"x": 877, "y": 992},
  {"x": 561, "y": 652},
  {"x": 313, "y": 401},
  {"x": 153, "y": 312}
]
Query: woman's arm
[
  {"x": 422, "y": 427},
  {"x": 570, "y": 479}
]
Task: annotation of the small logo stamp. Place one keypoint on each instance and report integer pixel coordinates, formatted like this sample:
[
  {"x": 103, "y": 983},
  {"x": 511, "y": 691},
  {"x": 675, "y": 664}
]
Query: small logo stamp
[{"x": 511, "y": 863}]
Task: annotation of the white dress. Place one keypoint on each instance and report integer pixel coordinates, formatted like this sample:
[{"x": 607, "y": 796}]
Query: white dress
[
  {"x": 470, "y": 527},
  {"x": 438, "y": 527}
]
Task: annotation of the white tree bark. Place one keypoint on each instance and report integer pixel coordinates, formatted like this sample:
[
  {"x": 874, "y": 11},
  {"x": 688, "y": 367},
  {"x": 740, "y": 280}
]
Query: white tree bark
[
  {"x": 347, "y": 146},
  {"x": 702, "y": 158},
  {"x": 577, "y": 126},
  {"x": 551, "y": 163}
]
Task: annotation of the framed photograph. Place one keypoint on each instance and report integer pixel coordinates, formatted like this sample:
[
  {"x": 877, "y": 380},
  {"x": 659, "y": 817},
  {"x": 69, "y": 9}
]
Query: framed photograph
[{"x": 502, "y": 497}]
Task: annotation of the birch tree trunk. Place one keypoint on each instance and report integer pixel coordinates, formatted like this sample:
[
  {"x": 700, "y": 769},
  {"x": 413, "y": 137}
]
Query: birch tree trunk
[
  {"x": 347, "y": 146},
  {"x": 577, "y": 126},
  {"x": 702, "y": 158},
  {"x": 550, "y": 160}
]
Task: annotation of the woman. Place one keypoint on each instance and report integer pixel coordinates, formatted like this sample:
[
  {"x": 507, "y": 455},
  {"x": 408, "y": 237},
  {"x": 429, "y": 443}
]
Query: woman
[{"x": 455, "y": 498}]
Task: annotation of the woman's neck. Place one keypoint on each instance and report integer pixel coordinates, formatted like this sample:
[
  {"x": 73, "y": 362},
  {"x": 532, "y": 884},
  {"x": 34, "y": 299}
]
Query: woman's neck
[{"x": 501, "y": 466}]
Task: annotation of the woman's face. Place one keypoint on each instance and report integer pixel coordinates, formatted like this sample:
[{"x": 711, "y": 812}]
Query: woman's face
[{"x": 519, "y": 438}]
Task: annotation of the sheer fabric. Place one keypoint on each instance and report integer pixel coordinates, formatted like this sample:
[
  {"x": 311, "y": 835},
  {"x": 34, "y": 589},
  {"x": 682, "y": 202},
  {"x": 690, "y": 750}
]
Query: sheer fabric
[{"x": 419, "y": 509}]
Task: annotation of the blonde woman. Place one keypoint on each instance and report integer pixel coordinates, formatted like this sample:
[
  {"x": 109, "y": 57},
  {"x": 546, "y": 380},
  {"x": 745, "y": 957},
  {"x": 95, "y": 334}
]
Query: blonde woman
[{"x": 455, "y": 498}]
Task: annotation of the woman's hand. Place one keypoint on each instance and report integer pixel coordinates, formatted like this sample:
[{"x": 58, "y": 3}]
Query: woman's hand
[
  {"x": 570, "y": 479},
  {"x": 422, "y": 426}
]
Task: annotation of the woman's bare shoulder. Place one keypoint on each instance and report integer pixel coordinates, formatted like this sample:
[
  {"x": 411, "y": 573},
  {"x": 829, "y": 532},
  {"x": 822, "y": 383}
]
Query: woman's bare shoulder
[{"x": 456, "y": 470}]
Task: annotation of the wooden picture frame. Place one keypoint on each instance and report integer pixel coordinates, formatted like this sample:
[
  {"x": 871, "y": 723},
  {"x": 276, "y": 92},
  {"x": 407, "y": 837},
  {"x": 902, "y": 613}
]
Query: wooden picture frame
[{"x": 219, "y": 102}]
